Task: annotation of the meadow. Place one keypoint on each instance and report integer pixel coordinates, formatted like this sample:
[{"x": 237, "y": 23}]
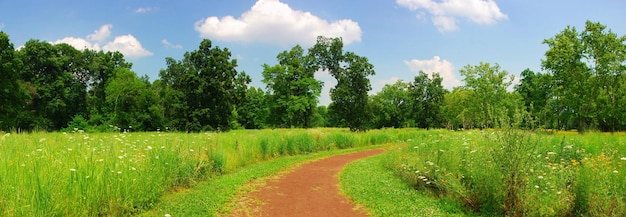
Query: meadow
[
  {"x": 517, "y": 173},
  {"x": 122, "y": 174},
  {"x": 490, "y": 172}
]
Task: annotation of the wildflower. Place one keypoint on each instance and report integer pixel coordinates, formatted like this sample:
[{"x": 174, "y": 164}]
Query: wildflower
[
  {"x": 540, "y": 177},
  {"x": 537, "y": 186},
  {"x": 73, "y": 170},
  {"x": 623, "y": 158},
  {"x": 133, "y": 168},
  {"x": 415, "y": 146},
  {"x": 558, "y": 192},
  {"x": 615, "y": 171},
  {"x": 430, "y": 163},
  {"x": 567, "y": 147},
  {"x": 149, "y": 147},
  {"x": 42, "y": 140},
  {"x": 168, "y": 215},
  {"x": 120, "y": 157},
  {"x": 69, "y": 149},
  {"x": 119, "y": 172},
  {"x": 551, "y": 153}
]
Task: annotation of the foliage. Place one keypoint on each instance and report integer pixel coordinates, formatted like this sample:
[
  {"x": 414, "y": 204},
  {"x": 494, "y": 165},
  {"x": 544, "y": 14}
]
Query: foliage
[
  {"x": 515, "y": 173},
  {"x": 292, "y": 89},
  {"x": 12, "y": 94},
  {"x": 349, "y": 96},
  {"x": 426, "y": 96},
  {"x": 587, "y": 68},
  {"x": 392, "y": 104},
  {"x": 205, "y": 88}
]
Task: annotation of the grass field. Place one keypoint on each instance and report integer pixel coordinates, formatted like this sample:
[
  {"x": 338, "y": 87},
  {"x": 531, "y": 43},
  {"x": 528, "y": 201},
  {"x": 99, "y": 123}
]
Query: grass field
[
  {"x": 514, "y": 173},
  {"x": 121, "y": 174},
  {"x": 463, "y": 173}
]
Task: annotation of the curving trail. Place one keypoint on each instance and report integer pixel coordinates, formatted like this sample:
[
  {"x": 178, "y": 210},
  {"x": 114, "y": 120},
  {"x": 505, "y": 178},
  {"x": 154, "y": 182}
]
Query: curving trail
[{"x": 309, "y": 190}]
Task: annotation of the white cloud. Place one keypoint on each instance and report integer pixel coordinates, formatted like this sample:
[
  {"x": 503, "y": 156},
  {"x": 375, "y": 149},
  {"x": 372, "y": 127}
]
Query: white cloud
[
  {"x": 436, "y": 64},
  {"x": 271, "y": 21},
  {"x": 145, "y": 10},
  {"x": 1, "y": 26},
  {"x": 78, "y": 43},
  {"x": 445, "y": 13},
  {"x": 101, "y": 34},
  {"x": 127, "y": 45},
  {"x": 170, "y": 45}
]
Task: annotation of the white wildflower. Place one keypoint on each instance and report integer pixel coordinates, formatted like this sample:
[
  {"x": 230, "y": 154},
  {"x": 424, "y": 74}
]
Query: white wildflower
[
  {"x": 149, "y": 147},
  {"x": 623, "y": 158},
  {"x": 73, "y": 170},
  {"x": 551, "y": 153},
  {"x": 567, "y": 147},
  {"x": 537, "y": 186},
  {"x": 430, "y": 163},
  {"x": 540, "y": 177},
  {"x": 615, "y": 171},
  {"x": 168, "y": 215}
]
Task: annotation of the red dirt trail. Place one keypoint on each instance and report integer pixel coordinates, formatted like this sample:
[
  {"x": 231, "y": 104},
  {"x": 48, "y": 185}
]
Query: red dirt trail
[{"x": 309, "y": 190}]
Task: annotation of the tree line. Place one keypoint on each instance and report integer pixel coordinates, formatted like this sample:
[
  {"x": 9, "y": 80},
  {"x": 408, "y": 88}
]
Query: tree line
[{"x": 57, "y": 87}]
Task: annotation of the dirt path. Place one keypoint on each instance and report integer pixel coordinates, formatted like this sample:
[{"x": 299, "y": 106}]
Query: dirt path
[{"x": 310, "y": 190}]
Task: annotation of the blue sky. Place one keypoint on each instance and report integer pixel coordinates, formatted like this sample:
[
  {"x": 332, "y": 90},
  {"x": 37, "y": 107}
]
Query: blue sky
[{"x": 400, "y": 37}]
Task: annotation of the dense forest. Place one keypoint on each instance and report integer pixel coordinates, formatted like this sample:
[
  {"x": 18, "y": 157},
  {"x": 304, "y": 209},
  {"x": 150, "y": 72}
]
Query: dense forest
[{"x": 50, "y": 87}]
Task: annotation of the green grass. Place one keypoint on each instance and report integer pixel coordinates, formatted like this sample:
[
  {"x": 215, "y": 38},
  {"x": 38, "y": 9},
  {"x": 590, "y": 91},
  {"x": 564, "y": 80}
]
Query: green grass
[
  {"x": 517, "y": 173},
  {"x": 211, "y": 198},
  {"x": 122, "y": 174},
  {"x": 369, "y": 183}
]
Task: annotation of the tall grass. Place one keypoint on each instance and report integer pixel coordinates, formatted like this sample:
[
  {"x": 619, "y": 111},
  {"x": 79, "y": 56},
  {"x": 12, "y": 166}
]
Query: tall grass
[
  {"x": 517, "y": 173},
  {"x": 119, "y": 174}
]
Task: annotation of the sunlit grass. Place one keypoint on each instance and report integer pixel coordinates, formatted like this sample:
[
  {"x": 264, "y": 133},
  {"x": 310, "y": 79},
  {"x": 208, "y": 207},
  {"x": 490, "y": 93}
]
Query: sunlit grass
[
  {"x": 119, "y": 174},
  {"x": 519, "y": 173}
]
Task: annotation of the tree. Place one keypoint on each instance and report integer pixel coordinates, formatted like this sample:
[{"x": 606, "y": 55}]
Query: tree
[
  {"x": 12, "y": 94},
  {"x": 50, "y": 74},
  {"x": 536, "y": 91},
  {"x": 206, "y": 86},
  {"x": 349, "y": 97},
  {"x": 253, "y": 110},
  {"x": 131, "y": 102},
  {"x": 293, "y": 90},
  {"x": 426, "y": 96},
  {"x": 392, "y": 106},
  {"x": 587, "y": 67},
  {"x": 492, "y": 105}
]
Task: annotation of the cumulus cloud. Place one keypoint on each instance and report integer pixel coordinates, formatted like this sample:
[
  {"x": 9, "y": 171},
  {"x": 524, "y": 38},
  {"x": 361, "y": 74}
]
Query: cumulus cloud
[
  {"x": 445, "y": 13},
  {"x": 125, "y": 44},
  {"x": 145, "y": 10},
  {"x": 170, "y": 45},
  {"x": 128, "y": 45},
  {"x": 329, "y": 82},
  {"x": 78, "y": 43},
  {"x": 101, "y": 34},
  {"x": 436, "y": 64},
  {"x": 271, "y": 21}
]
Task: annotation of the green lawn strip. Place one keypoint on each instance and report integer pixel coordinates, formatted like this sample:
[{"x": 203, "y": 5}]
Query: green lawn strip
[
  {"x": 211, "y": 197},
  {"x": 371, "y": 185}
]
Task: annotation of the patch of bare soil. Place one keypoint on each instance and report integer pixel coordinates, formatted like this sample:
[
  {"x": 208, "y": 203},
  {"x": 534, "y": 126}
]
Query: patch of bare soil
[{"x": 310, "y": 190}]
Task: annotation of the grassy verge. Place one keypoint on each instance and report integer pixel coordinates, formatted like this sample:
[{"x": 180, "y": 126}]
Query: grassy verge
[
  {"x": 371, "y": 184},
  {"x": 211, "y": 198}
]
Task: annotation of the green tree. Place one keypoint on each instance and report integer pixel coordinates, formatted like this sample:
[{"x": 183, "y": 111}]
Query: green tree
[
  {"x": 293, "y": 91},
  {"x": 455, "y": 109},
  {"x": 349, "y": 97},
  {"x": 206, "y": 86},
  {"x": 587, "y": 68},
  {"x": 131, "y": 102},
  {"x": 392, "y": 106},
  {"x": 13, "y": 96},
  {"x": 492, "y": 105},
  {"x": 426, "y": 96},
  {"x": 535, "y": 90},
  {"x": 253, "y": 110},
  {"x": 50, "y": 74}
]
